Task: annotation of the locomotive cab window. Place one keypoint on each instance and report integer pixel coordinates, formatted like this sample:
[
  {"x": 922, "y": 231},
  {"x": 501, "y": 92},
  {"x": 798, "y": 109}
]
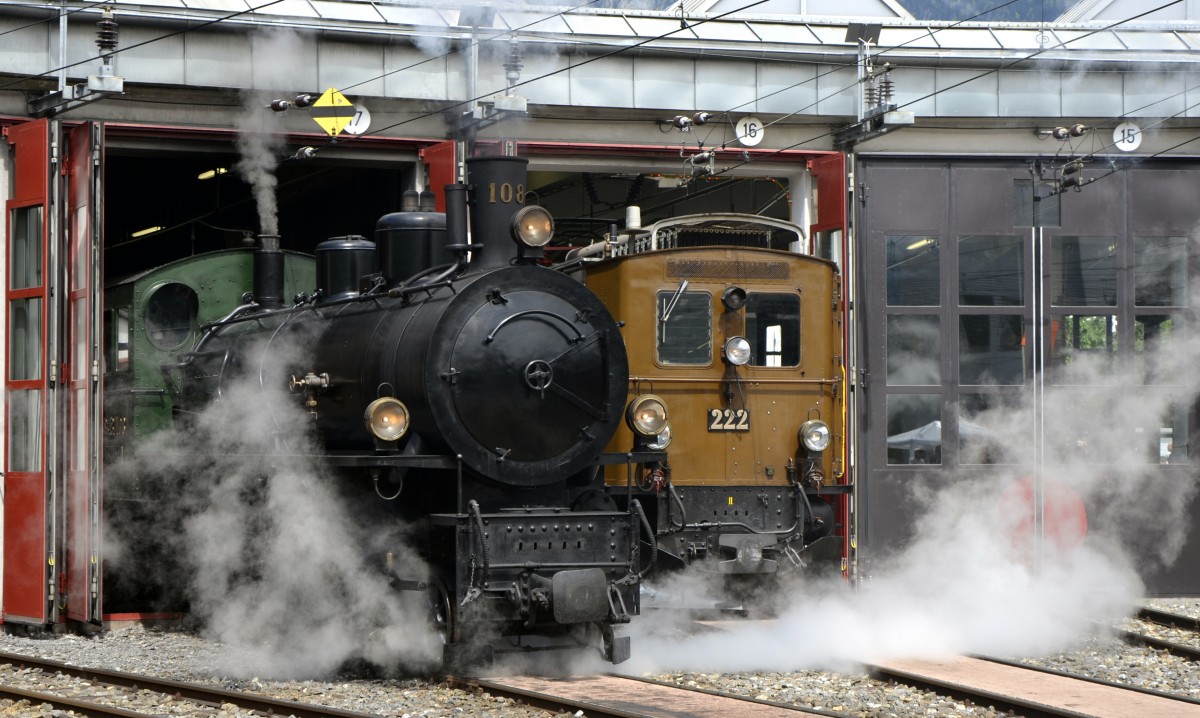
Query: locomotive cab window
[
  {"x": 116, "y": 340},
  {"x": 684, "y": 327},
  {"x": 170, "y": 315},
  {"x": 773, "y": 328}
]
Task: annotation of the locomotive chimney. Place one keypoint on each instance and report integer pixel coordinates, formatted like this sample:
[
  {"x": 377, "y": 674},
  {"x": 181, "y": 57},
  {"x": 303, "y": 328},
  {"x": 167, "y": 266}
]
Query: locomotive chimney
[
  {"x": 498, "y": 185},
  {"x": 268, "y": 272}
]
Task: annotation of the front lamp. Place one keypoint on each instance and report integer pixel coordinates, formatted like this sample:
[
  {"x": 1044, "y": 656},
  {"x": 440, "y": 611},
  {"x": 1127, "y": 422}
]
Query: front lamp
[
  {"x": 737, "y": 351},
  {"x": 663, "y": 440},
  {"x": 533, "y": 226},
  {"x": 387, "y": 418},
  {"x": 815, "y": 435},
  {"x": 647, "y": 415}
]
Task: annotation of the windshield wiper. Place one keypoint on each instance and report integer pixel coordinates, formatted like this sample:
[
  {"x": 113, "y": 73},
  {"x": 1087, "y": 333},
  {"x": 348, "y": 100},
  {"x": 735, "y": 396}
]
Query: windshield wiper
[{"x": 673, "y": 301}]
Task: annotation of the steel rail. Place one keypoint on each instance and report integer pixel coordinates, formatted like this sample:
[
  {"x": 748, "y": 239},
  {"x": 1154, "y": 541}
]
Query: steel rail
[
  {"x": 87, "y": 708},
  {"x": 188, "y": 691},
  {"x": 1191, "y": 653},
  {"x": 1164, "y": 618}
]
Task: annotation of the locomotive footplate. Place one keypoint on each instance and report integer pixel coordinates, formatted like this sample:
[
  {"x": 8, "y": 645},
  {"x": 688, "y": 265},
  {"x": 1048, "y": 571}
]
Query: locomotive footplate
[{"x": 549, "y": 569}]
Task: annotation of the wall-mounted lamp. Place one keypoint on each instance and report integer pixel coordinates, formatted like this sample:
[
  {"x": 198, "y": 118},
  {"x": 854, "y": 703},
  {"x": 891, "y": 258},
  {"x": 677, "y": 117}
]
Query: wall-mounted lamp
[
  {"x": 919, "y": 244},
  {"x": 212, "y": 173},
  {"x": 144, "y": 232}
]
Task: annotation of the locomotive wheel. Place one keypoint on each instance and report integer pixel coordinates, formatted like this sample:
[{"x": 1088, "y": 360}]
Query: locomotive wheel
[{"x": 442, "y": 616}]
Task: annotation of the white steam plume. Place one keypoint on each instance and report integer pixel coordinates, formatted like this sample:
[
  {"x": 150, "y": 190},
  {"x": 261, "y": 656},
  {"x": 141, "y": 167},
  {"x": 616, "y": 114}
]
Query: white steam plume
[
  {"x": 285, "y": 561},
  {"x": 968, "y": 581}
]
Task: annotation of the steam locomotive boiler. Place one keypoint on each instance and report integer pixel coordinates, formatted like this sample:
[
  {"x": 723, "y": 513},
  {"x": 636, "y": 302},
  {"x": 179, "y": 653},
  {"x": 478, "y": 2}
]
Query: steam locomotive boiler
[{"x": 472, "y": 398}]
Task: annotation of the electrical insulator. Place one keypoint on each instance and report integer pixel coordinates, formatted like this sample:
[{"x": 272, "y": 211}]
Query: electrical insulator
[
  {"x": 1077, "y": 130},
  {"x": 304, "y": 100},
  {"x": 701, "y": 118},
  {"x": 280, "y": 105},
  {"x": 1060, "y": 133},
  {"x": 512, "y": 68},
  {"x": 887, "y": 88},
  {"x": 1072, "y": 181},
  {"x": 682, "y": 122},
  {"x": 1072, "y": 167},
  {"x": 305, "y": 153},
  {"x": 106, "y": 36}
]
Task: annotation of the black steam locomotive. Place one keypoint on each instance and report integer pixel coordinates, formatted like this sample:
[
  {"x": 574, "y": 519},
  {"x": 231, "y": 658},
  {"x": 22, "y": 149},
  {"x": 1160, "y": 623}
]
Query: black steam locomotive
[{"x": 470, "y": 392}]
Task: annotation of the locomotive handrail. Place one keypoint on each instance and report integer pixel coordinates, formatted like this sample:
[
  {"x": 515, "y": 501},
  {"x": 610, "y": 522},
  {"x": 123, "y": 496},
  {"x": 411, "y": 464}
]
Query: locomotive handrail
[
  {"x": 544, "y": 312},
  {"x": 752, "y": 380}
]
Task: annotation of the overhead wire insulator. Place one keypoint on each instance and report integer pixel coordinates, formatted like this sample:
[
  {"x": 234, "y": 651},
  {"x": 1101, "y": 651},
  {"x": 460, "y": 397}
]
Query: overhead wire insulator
[
  {"x": 887, "y": 88},
  {"x": 702, "y": 118},
  {"x": 304, "y": 100},
  {"x": 106, "y": 35},
  {"x": 513, "y": 66}
]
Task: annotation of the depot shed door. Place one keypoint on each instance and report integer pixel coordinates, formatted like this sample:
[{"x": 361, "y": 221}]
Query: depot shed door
[
  {"x": 984, "y": 293},
  {"x": 52, "y": 418}
]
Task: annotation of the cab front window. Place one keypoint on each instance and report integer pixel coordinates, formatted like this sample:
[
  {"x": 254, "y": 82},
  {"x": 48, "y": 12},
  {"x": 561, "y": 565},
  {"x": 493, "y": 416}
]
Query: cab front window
[
  {"x": 684, "y": 327},
  {"x": 773, "y": 329}
]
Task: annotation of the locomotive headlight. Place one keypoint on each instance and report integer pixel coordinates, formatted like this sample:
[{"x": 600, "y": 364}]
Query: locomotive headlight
[
  {"x": 815, "y": 435},
  {"x": 387, "y": 418},
  {"x": 737, "y": 351},
  {"x": 647, "y": 415},
  {"x": 663, "y": 440},
  {"x": 533, "y": 226}
]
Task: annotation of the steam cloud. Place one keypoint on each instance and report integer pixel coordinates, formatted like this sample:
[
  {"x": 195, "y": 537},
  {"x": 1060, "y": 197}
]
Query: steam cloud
[
  {"x": 968, "y": 581},
  {"x": 282, "y": 565},
  {"x": 260, "y": 144}
]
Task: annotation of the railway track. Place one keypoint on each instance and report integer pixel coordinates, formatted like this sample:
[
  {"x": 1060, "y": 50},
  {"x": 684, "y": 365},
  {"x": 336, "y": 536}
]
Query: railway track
[
  {"x": 611, "y": 696},
  {"x": 1185, "y": 633},
  {"x": 1034, "y": 692},
  {"x": 112, "y": 688}
]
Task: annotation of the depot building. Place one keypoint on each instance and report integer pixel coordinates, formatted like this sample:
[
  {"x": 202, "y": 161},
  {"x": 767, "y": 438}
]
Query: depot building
[{"x": 1007, "y": 202}]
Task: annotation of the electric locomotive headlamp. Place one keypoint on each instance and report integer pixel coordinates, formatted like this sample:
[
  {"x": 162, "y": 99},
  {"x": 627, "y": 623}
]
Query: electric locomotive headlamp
[
  {"x": 815, "y": 435},
  {"x": 533, "y": 226},
  {"x": 737, "y": 351},
  {"x": 647, "y": 415},
  {"x": 387, "y": 418},
  {"x": 663, "y": 440}
]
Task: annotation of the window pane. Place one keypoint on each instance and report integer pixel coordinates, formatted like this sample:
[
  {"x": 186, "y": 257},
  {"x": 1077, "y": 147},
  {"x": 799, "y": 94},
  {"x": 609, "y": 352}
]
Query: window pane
[
  {"x": 116, "y": 340},
  {"x": 684, "y": 327},
  {"x": 1073, "y": 337},
  {"x": 26, "y": 268},
  {"x": 991, "y": 349},
  {"x": 993, "y": 429},
  {"x": 991, "y": 271},
  {"x": 1084, "y": 271},
  {"x": 773, "y": 329},
  {"x": 914, "y": 429},
  {"x": 170, "y": 314},
  {"x": 913, "y": 271},
  {"x": 914, "y": 349},
  {"x": 25, "y": 327},
  {"x": 1048, "y": 208},
  {"x": 1173, "y": 436},
  {"x": 1079, "y": 427},
  {"x": 25, "y": 430},
  {"x": 1161, "y": 271},
  {"x": 1153, "y": 339}
]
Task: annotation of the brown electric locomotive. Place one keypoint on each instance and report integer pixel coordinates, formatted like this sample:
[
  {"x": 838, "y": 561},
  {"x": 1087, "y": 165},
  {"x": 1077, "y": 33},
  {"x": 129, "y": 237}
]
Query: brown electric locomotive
[{"x": 729, "y": 323}]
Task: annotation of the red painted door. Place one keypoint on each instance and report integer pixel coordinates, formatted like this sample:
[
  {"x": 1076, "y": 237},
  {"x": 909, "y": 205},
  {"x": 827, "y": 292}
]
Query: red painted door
[
  {"x": 29, "y": 560},
  {"x": 81, "y": 374}
]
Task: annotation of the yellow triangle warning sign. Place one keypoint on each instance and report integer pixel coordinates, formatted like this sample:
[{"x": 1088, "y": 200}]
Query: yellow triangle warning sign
[{"x": 332, "y": 111}]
